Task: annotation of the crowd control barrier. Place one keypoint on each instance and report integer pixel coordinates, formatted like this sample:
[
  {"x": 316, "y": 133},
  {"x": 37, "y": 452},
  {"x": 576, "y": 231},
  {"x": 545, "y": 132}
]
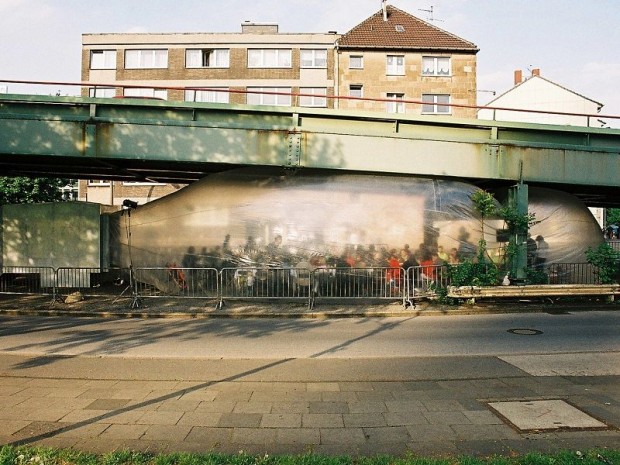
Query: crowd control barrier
[
  {"x": 301, "y": 284},
  {"x": 27, "y": 280}
]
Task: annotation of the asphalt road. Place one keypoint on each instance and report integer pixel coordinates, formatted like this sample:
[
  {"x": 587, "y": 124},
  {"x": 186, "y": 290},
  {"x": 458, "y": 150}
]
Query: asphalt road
[{"x": 428, "y": 336}]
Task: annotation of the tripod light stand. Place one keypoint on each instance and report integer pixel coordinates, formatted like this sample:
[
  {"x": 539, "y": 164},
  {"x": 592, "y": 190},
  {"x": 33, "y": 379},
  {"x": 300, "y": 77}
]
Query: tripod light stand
[{"x": 129, "y": 205}]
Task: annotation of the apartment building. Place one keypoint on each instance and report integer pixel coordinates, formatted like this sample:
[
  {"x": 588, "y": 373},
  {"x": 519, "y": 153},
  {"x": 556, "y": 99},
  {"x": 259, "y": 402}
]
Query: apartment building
[
  {"x": 395, "y": 56},
  {"x": 210, "y": 67},
  {"x": 391, "y": 56}
]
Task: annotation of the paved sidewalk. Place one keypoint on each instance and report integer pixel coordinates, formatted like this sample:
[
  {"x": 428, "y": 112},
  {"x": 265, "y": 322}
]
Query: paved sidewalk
[{"x": 429, "y": 406}]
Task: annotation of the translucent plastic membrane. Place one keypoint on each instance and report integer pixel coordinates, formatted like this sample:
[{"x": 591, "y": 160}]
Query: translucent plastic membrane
[
  {"x": 565, "y": 224},
  {"x": 250, "y": 217}
]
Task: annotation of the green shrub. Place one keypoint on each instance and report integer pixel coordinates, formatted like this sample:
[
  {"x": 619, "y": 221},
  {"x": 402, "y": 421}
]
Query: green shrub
[
  {"x": 471, "y": 273},
  {"x": 606, "y": 260}
]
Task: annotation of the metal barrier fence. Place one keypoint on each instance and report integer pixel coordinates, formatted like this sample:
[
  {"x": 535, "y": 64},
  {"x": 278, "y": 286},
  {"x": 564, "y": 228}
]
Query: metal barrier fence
[
  {"x": 267, "y": 283},
  {"x": 423, "y": 281},
  {"x": 253, "y": 283},
  {"x": 360, "y": 283},
  {"x": 177, "y": 282},
  {"x": 90, "y": 281},
  {"x": 28, "y": 280}
]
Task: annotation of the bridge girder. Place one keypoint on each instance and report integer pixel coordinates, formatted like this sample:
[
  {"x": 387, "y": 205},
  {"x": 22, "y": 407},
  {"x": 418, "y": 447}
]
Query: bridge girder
[{"x": 138, "y": 140}]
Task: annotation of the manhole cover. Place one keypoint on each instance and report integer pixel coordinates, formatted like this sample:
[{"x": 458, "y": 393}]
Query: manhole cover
[
  {"x": 545, "y": 415},
  {"x": 525, "y": 331}
]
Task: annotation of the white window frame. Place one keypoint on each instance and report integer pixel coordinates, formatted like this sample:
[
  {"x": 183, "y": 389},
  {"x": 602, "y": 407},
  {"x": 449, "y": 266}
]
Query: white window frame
[
  {"x": 317, "y": 99},
  {"x": 98, "y": 183},
  {"x": 270, "y": 58},
  {"x": 395, "y": 65},
  {"x": 145, "y": 92},
  {"x": 397, "y": 106},
  {"x": 146, "y": 58},
  {"x": 356, "y": 90},
  {"x": 143, "y": 183},
  {"x": 255, "y": 97},
  {"x": 353, "y": 64},
  {"x": 101, "y": 92},
  {"x": 313, "y": 58},
  {"x": 103, "y": 59},
  {"x": 434, "y": 66},
  {"x": 207, "y": 58},
  {"x": 211, "y": 95},
  {"x": 434, "y": 106}
]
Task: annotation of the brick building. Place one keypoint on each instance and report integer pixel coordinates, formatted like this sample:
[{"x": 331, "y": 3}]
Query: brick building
[
  {"x": 391, "y": 55},
  {"x": 395, "y": 56}
]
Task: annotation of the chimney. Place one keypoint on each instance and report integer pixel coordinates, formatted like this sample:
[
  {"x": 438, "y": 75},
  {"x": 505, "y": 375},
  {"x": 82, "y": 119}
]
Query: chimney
[
  {"x": 518, "y": 76},
  {"x": 248, "y": 27},
  {"x": 384, "y": 8},
  {"x": 536, "y": 72}
]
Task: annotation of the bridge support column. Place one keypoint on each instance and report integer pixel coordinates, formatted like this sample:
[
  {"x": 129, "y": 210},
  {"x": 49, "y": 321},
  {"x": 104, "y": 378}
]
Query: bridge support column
[{"x": 518, "y": 201}]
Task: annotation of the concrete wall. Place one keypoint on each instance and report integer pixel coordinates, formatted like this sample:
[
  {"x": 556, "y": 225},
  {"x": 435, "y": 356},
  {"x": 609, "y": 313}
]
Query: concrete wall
[{"x": 65, "y": 234}]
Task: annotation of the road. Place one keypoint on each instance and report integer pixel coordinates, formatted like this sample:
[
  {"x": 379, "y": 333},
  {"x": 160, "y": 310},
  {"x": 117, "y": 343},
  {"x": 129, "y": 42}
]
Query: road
[{"x": 429, "y": 336}]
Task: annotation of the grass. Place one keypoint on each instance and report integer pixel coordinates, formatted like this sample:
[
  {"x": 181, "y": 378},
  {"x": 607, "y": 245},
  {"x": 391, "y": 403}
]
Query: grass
[{"x": 45, "y": 456}]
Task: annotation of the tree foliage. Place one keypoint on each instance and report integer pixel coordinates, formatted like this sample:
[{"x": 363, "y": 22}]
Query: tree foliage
[
  {"x": 613, "y": 216},
  {"x": 18, "y": 190}
]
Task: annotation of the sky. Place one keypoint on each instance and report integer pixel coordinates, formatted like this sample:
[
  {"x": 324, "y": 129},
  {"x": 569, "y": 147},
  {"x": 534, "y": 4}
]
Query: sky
[{"x": 575, "y": 43}]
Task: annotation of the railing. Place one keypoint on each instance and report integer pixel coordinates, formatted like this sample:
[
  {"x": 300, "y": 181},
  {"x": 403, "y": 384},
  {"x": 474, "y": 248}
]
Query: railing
[
  {"x": 423, "y": 281},
  {"x": 89, "y": 281},
  {"x": 614, "y": 245},
  {"x": 259, "y": 283},
  {"x": 177, "y": 282},
  {"x": 572, "y": 273},
  {"x": 268, "y": 283},
  {"x": 295, "y": 96},
  {"x": 28, "y": 280}
]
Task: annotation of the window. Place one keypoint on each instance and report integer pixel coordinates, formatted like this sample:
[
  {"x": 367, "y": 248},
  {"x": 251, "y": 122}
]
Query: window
[
  {"x": 146, "y": 92},
  {"x": 102, "y": 92},
  {"x": 316, "y": 99},
  {"x": 256, "y": 97},
  {"x": 356, "y": 90},
  {"x": 314, "y": 58},
  {"x": 103, "y": 59},
  {"x": 396, "y": 106},
  {"x": 207, "y": 58},
  {"x": 435, "y": 66},
  {"x": 143, "y": 183},
  {"x": 356, "y": 62},
  {"x": 135, "y": 59},
  {"x": 210, "y": 95},
  {"x": 436, "y": 104},
  {"x": 269, "y": 58},
  {"x": 98, "y": 182},
  {"x": 396, "y": 65}
]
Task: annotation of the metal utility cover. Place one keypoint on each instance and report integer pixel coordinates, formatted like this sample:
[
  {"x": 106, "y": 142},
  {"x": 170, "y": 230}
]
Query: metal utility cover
[{"x": 544, "y": 415}]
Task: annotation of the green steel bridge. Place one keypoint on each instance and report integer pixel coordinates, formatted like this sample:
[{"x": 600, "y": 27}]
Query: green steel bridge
[{"x": 161, "y": 141}]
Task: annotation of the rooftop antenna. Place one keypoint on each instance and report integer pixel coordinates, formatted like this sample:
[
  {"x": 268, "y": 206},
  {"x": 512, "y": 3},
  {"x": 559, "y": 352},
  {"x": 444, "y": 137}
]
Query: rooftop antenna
[{"x": 430, "y": 16}]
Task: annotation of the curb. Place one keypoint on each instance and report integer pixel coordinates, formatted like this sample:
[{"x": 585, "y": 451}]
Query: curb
[{"x": 263, "y": 312}]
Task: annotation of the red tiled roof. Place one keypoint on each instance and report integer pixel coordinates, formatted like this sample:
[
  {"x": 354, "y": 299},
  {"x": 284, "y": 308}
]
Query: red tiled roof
[{"x": 412, "y": 33}]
